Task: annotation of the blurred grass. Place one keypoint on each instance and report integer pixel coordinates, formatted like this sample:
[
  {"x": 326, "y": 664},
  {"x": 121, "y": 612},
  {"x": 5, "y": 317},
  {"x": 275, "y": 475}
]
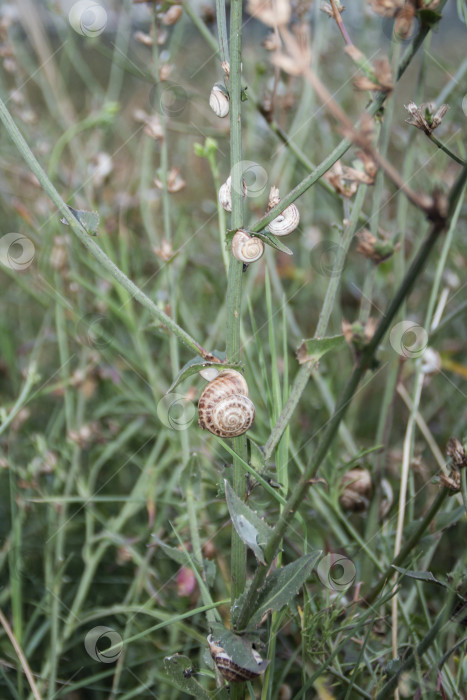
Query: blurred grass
[{"x": 89, "y": 471}]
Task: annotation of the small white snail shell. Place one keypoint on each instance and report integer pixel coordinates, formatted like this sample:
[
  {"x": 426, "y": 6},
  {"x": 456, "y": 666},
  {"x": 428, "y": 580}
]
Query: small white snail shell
[
  {"x": 224, "y": 407},
  {"x": 246, "y": 248},
  {"x": 225, "y": 193},
  {"x": 286, "y": 222},
  {"x": 219, "y": 101},
  {"x": 231, "y": 671}
]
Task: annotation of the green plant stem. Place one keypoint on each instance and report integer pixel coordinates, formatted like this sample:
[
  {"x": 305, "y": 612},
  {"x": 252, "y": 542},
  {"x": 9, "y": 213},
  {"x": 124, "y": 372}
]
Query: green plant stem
[
  {"x": 416, "y": 654},
  {"x": 409, "y": 545},
  {"x": 364, "y": 363},
  {"x": 305, "y": 371},
  {"x": 86, "y": 239},
  {"x": 445, "y": 149},
  {"x": 222, "y": 28},
  {"x": 234, "y": 286}
]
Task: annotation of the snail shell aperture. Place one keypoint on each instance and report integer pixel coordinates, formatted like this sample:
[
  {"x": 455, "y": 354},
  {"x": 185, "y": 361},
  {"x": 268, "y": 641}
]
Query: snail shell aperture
[
  {"x": 246, "y": 248},
  {"x": 286, "y": 222},
  {"x": 224, "y": 407}
]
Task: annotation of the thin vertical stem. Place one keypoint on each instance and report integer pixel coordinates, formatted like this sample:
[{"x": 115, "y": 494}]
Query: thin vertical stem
[{"x": 234, "y": 287}]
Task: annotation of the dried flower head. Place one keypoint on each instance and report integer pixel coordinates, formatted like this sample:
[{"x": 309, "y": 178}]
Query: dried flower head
[
  {"x": 327, "y": 8},
  {"x": 386, "y": 8},
  {"x": 175, "y": 181},
  {"x": 456, "y": 452},
  {"x": 272, "y": 42},
  {"x": 431, "y": 362},
  {"x": 335, "y": 178},
  {"x": 153, "y": 126},
  {"x": 357, "y": 176},
  {"x": 358, "y": 334},
  {"x": 376, "y": 249},
  {"x": 273, "y": 14},
  {"x": 405, "y": 20},
  {"x": 145, "y": 39},
  {"x": 172, "y": 15},
  {"x": 423, "y": 118},
  {"x": 380, "y": 78},
  {"x": 164, "y": 71},
  {"x": 274, "y": 197}
]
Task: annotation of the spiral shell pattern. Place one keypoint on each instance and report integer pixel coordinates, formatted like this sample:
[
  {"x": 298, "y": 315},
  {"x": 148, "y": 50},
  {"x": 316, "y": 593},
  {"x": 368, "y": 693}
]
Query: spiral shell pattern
[
  {"x": 286, "y": 222},
  {"x": 219, "y": 101},
  {"x": 224, "y": 407},
  {"x": 246, "y": 248}
]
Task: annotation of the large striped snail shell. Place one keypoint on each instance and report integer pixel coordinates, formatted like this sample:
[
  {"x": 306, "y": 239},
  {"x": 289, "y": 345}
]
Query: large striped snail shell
[
  {"x": 231, "y": 671},
  {"x": 224, "y": 407},
  {"x": 246, "y": 248},
  {"x": 286, "y": 222}
]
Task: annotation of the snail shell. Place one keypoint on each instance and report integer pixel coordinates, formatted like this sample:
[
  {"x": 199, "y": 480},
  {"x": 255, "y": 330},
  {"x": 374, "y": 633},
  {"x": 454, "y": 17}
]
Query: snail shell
[
  {"x": 219, "y": 101},
  {"x": 246, "y": 248},
  {"x": 224, "y": 407},
  {"x": 231, "y": 671},
  {"x": 225, "y": 193},
  {"x": 357, "y": 488},
  {"x": 286, "y": 222}
]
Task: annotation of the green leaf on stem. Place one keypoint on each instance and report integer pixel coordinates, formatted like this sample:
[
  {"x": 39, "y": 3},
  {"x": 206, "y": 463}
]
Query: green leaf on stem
[
  {"x": 314, "y": 349},
  {"x": 251, "y": 529},
  {"x": 197, "y": 364},
  {"x": 282, "y": 585},
  {"x": 238, "y": 648},
  {"x": 426, "y": 576},
  {"x": 89, "y": 220},
  {"x": 180, "y": 668}
]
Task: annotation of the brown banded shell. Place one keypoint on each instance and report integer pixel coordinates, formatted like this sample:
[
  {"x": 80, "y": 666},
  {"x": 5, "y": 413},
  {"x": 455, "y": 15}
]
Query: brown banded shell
[
  {"x": 231, "y": 671},
  {"x": 286, "y": 222},
  {"x": 224, "y": 407},
  {"x": 246, "y": 248}
]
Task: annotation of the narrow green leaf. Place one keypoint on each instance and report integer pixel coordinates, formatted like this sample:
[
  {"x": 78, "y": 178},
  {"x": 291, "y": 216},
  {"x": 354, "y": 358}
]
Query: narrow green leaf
[
  {"x": 419, "y": 575},
  {"x": 195, "y": 365},
  {"x": 88, "y": 219},
  {"x": 273, "y": 241},
  {"x": 239, "y": 648},
  {"x": 251, "y": 529},
  {"x": 283, "y": 585},
  {"x": 179, "y": 668},
  {"x": 313, "y": 349}
]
